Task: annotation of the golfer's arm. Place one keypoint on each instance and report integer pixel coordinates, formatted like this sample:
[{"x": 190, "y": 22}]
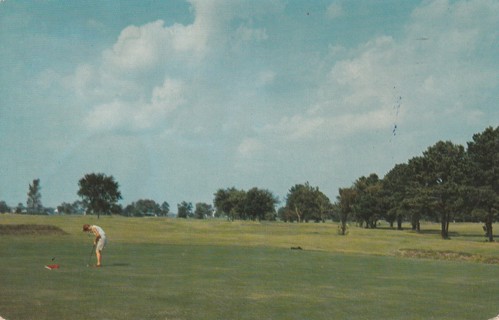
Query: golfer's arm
[{"x": 97, "y": 236}]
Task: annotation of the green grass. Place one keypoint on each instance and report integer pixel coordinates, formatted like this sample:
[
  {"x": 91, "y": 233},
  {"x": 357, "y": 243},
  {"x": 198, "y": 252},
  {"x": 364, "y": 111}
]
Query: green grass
[{"x": 176, "y": 269}]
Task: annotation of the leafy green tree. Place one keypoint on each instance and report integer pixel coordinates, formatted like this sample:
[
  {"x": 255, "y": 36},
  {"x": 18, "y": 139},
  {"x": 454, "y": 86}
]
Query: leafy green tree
[
  {"x": 165, "y": 208},
  {"x": 368, "y": 205},
  {"x": 203, "y": 210},
  {"x": 260, "y": 204},
  {"x": 143, "y": 207},
  {"x": 286, "y": 215},
  {"x": 34, "y": 202},
  {"x": 440, "y": 173},
  {"x": 4, "y": 208},
  {"x": 345, "y": 202},
  {"x": 230, "y": 203},
  {"x": 99, "y": 193},
  {"x": 396, "y": 186},
  {"x": 483, "y": 177},
  {"x": 65, "y": 208},
  {"x": 484, "y": 205},
  {"x": 20, "y": 208},
  {"x": 184, "y": 210},
  {"x": 308, "y": 203}
]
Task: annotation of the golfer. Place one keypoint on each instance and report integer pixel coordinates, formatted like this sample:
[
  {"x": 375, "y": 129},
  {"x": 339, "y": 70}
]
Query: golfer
[{"x": 99, "y": 241}]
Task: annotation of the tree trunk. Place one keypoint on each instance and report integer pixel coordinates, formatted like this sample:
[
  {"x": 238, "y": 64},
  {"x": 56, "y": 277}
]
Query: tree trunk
[
  {"x": 490, "y": 235},
  {"x": 399, "y": 222},
  {"x": 298, "y": 214},
  {"x": 488, "y": 228},
  {"x": 445, "y": 228}
]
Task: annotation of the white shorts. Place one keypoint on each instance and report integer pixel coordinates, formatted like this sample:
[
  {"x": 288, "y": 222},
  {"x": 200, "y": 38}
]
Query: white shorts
[{"x": 101, "y": 243}]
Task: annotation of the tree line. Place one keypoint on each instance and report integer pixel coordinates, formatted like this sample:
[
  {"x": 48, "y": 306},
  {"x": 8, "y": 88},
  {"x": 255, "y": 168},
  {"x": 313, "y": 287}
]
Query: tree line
[{"x": 447, "y": 183}]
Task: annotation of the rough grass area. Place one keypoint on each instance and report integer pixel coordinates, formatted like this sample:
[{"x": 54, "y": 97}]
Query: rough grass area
[
  {"x": 30, "y": 229},
  {"x": 446, "y": 255}
]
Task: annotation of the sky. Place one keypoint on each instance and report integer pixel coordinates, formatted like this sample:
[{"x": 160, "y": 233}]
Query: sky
[{"x": 178, "y": 99}]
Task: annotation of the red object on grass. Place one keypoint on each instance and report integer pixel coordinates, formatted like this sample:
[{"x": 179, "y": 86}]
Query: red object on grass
[{"x": 52, "y": 266}]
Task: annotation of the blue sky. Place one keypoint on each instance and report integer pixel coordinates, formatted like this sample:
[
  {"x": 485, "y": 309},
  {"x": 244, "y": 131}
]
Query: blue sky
[{"x": 177, "y": 99}]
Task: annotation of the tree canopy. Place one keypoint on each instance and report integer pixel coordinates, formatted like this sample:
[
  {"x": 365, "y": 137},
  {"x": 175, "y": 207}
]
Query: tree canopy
[{"x": 100, "y": 193}]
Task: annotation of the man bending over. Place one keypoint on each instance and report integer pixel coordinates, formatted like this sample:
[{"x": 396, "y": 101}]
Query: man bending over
[{"x": 99, "y": 241}]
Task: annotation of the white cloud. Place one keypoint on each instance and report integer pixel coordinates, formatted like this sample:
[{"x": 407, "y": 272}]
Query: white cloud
[
  {"x": 294, "y": 128},
  {"x": 245, "y": 33},
  {"x": 426, "y": 75},
  {"x": 266, "y": 77},
  {"x": 334, "y": 10},
  {"x": 139, "y": 115},
  {"x": 123, "y": 89},
  {"x": 248, "y": 147}
]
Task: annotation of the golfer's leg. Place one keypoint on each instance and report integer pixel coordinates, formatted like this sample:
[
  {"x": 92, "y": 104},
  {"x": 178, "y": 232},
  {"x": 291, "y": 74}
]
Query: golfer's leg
[
  {"x": 99, "y": 257},
  {"x": 98, "y": 253}
]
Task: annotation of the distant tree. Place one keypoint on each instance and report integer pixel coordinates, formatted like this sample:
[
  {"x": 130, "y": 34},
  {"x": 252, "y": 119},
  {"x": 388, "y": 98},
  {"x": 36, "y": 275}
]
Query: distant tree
[
  {"x": 184, "y": 210},
  {"x": 368, "y": 205},
  {"x": 346, "y": 201},
  {"x": 130, "y": 210},
  {"x": 307, "y": 203},
  {"x": 483, "y": 177},
  {"x": 165, "y": 208},
  {"x": 230, "y": 203},
  {"x": 100, "y": 194},
  {"x": 66, "y": 208},
  {"x": 396, "y": 188},
  {"x": 485, "y": 208},
  {"x": 260, "y": 204},
  {"x": 20, "y": 208},
  {"x": 440, "y": 174},
  {"x": 34, "y": 202},
  {"x": 142, "y": 207},
  {"x": 77, "y": 207},
  {"x": 148, "y": 207},
  {"x": 286, "y": 215},
  {"x": 4, "y": 208},
  {"x": 203, "y": 210}
]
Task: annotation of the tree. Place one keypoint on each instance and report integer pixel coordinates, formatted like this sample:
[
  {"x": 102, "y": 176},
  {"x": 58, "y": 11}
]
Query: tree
[
  {"x": 308, "y": 203},
  {"x": 230, "y": 203},
  {"x": 346, "y": 201},
  {"x": 483, "y": 176},
  {"x": 484, "y": 204},
  {"x": 65, "y": 208},
  {"x": 184, "y": 210},
  {"x": 143, "y": 207},
  {"x": 286, "y": 215},
  {"x": 396, "y": 184},
  {"x": 260, "y": 204},
  {"x": 34, "y": 202},
  {"x": 165, "y": 208},
  {"x": 100, "y": 193},
  {"x": 77, "y": 207},
  {"x": 203, "y": 210},
  {"x": 20, "y": 208},
  {"x": 148, "y": 207},
  {"x": 440, "y": 172},
  {"x": 4, "y": 208},
  {"x": 368, "y": 200}
]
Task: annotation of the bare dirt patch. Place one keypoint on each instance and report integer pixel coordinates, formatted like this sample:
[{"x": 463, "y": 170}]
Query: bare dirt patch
[{"x": 30, "y": 229}]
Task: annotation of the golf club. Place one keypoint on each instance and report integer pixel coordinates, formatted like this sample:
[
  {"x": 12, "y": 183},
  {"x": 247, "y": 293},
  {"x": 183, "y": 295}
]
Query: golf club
[{"x": 90, "y": 256}]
